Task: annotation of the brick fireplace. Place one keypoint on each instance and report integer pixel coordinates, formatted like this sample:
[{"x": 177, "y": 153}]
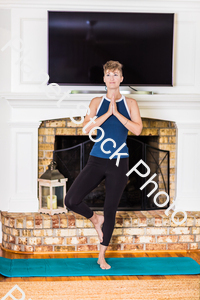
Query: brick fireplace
[
  {"x": 134, "y": 230},
  {"x": 23, "y": 229},
  {"x": 31, "y": 152},
  {"x": 164, "y": 131}
]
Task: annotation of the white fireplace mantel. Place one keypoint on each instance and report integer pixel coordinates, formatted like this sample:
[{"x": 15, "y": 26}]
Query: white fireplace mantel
[
  {"x": 23, "y": 114},
  {"x": 157, "y": 106}
]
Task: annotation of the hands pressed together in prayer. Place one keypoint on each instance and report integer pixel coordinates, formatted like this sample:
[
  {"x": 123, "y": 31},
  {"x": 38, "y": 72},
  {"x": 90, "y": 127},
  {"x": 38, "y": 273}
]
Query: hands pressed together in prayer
[{"x": 112, "y": 107}]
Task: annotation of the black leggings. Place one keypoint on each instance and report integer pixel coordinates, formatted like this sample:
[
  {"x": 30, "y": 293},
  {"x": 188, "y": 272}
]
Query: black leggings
[{"x": 92, "y": 174}]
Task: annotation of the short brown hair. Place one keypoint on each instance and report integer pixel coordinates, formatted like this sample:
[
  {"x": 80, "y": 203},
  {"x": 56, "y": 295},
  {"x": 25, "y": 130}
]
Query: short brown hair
[{"x": 112, "y": 65}]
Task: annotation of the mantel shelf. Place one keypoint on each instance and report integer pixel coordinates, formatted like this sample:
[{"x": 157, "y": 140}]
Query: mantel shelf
[{"x": 39, "y": 100}]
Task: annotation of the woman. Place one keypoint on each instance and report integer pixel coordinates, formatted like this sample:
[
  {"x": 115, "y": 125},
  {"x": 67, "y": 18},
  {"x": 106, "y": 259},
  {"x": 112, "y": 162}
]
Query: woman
[{"x": 115, "y": 115}]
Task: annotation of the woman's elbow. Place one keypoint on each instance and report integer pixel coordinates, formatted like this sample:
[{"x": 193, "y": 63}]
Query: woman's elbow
[{"x": 139, "y": 130}]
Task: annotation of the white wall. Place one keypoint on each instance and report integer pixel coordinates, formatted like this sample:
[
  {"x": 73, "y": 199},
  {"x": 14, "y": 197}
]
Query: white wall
[
  {"x": 5, "y": 56},
  {"x": 5, "y": 111},
  {"x": 5, "y": 146}
]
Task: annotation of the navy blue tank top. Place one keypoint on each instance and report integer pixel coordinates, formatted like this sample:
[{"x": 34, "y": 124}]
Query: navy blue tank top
[{"x": 113, "y": 129}]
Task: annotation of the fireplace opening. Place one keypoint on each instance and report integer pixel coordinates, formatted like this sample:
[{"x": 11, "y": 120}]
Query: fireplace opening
[{"x": 72, "y": 152}]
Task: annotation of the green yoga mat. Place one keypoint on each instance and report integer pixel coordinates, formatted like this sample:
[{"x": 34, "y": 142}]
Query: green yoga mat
[{"x": 30, "y": 267}]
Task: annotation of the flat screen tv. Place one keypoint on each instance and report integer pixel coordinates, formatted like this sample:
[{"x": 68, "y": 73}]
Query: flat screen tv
[{"x": 79, "y": 43}]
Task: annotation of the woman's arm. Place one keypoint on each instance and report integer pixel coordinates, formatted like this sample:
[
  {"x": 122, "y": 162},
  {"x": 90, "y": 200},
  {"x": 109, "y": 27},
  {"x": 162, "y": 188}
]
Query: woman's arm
[
  {"x": 98, "y": 121},
  {"x": 135, "y": 124}
]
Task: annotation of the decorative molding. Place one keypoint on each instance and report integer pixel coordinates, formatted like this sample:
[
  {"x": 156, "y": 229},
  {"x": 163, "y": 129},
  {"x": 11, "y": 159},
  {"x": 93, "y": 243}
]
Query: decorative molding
[
  {"x": 187, "y": 39},
  {"x": 23, "y": 163},
  {"x": 28, "y": 27},
  {"x": 23, "y": 26},
  {"x": 20, "y": 205},
  {"x": 24, "y": 124},
  {"x": 105, "y": 5},
  {"x": 188, "y": 125},
  {"x": 180, "y": 101},
  {"x": 182, "y": 203}
]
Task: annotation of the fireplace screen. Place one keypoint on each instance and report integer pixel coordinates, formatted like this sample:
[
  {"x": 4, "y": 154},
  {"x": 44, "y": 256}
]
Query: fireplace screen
[{"x": 71, "y": 154}]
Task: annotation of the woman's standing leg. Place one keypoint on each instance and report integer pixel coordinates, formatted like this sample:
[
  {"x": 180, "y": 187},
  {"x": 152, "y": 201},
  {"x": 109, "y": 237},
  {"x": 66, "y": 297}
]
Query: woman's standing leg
[{"x": 115, "y": 181}]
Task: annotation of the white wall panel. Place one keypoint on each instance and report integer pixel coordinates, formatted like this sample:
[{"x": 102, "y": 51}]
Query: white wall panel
[
  {"x": 189, "y": 160},
  {"x": 24, "y": 162},
  {"x": 5, "y": 61},
  {"x": 24, "y": 167},
  {"x": 5, "y": 154},
  {"x": 186, "y": 53},
  {"x": 34, "y": 35},
  {"x": 30, "y": 35},
  {"x": 188, "y": 166}
]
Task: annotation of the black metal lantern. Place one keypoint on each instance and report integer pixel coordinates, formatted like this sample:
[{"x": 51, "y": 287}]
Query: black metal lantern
[{"x": 52, "y": 190}]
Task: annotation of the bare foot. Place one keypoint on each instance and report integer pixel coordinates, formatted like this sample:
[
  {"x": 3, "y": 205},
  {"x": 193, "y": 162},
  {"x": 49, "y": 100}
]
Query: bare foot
[
  {"x": 97, "y": 222},
  {"x": 103, "y": 264}
]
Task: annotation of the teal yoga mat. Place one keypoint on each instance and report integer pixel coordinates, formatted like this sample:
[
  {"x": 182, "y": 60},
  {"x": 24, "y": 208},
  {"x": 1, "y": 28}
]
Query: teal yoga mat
[{"x": 30, "y": 267}]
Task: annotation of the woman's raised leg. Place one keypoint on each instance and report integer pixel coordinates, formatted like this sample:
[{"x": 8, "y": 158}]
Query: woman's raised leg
[{"x": 85, "y": 182}]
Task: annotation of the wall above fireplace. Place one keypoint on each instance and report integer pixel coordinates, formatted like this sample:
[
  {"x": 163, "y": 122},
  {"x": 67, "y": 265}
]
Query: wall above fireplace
[{"x": 27, "y": 20}]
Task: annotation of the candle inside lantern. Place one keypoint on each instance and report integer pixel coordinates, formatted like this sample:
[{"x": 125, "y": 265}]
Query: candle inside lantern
[{"x": 54, "y": 201}]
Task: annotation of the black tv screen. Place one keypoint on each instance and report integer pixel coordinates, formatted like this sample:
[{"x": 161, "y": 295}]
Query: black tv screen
[{"x": 79, "y": 43}]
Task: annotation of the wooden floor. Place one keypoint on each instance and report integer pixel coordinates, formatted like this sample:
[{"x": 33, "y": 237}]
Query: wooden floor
[{"x": 195, "y": 254}]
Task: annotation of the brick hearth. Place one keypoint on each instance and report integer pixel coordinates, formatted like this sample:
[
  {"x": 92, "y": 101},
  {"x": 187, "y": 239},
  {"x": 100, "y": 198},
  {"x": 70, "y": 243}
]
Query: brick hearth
[{"x": 145, "y": 230}]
